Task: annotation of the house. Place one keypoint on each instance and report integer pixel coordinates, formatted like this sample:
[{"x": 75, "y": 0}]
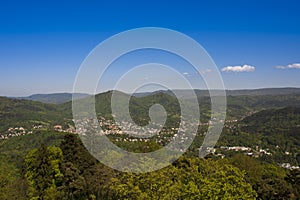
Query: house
[{"x": 58, "y": 128}]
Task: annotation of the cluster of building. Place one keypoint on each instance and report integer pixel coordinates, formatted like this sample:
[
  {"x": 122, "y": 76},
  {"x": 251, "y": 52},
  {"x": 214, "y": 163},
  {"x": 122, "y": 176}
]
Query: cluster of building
[
  {"x": 14, "y": 131},
  {"x": 18, "y": 131},
  {"x": 249, "y": 151},
  {"x": 110, "y": 127},
  {"x": 289, "y": 166},
  {"x": 59, "y": 128},
  {"x": 161, "y": 135},
  {"x": 257, "y": 152}
]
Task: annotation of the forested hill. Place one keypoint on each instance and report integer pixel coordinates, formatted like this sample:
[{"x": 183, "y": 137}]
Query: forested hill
[
  {"x": 237, "y": 105},
  {"x": 284, "y": 116},
  {"x": 25, "y": 113},
  {"x": 274, "y": 120},
  {"x": 277, "y": 130},
  {"x": 17, "y": 111}
]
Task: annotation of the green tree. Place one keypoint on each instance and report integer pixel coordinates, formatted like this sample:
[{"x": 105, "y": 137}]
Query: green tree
[
  {"x": 268, "y": 180},
  {"x": 74, "y": 152},
  {"x": 100, "y": 180},
  {"x": 43, "y": 173},
  {"x": 187, "y": 178},
  {"x": 73, "y": 184},
  {"x": 11, "y": 184},
  {"x": 293, "y": 177},
  {"x": 78, "y": 166}
]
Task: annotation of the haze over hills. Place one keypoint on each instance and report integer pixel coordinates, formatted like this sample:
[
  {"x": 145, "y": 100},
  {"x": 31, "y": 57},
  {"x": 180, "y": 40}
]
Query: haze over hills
[
  {"x": 58, "y": 98},
  {"x": 250, "y": 92},
  {"x": 239, "y": 102}
]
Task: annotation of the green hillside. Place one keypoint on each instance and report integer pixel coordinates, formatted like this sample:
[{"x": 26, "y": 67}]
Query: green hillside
[
  {"x": 15, "y": 112},
  {"x": 25, "y": 113},
  {"x": 273, "y": 119},
  {"x": 14, "y": 149},
  {"x": 274, "y": 130}
]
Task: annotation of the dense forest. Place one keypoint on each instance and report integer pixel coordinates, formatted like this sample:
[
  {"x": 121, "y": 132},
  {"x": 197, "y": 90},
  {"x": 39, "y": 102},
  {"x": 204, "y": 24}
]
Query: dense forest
[
  {"x": 61, "y": 168},
  {"x": 256, "y": 156}
]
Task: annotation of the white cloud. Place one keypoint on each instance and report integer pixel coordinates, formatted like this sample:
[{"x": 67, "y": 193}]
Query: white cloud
[
  {"x": 280, "y": 67},
  {"x": 185, "y": 73},
  {"x": 291, "y": 66},
  {"x": 244, "y": 68},
  {"x": 206, "y": 71}
]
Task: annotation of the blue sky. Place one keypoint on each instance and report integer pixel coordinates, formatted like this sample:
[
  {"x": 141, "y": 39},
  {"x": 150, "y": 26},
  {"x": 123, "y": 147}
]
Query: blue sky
[{"x": 43, "y": 44}]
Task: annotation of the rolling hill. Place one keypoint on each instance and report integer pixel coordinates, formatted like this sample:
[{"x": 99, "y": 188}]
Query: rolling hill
[{"x": 19, "y": 112}]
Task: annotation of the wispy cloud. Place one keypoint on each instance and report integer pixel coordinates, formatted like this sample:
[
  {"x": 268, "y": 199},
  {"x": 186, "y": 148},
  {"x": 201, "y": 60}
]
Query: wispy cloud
[
  {"x": 185, "y": 73},
  {"x": 238, "y": 68},
  {"x": 206, "y": 71},
  {"x": 291, "y": 66}
]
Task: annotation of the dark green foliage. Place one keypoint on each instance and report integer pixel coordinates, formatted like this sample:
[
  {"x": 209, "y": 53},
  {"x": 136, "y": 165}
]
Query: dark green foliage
[
  {"x": 185, "y": 179},
  {"x": 277, "y": 129},
  {"x": 74, "y": 152},
  {"x": 73, "y": 176},
  {"x": 78, "y": 166},
  {"x": 15, "y": 148},
  {"x": 99, "y": 181},
  {"x": 12, "y": 185},
  {"x": 293, "y": 178},
  {"x": 272, "y": 120},
  {"x": 16, "y": 113},
  {"x": 43, "y": 173},
  {"x": 74, "y": 185},
  {"x": 43, "y": 176},
  {"x": 269, "y": 181}
]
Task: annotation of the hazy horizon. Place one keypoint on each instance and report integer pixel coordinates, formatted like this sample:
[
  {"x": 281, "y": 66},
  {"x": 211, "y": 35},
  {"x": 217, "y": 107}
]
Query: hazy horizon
[{"x": 201, "y": 89}]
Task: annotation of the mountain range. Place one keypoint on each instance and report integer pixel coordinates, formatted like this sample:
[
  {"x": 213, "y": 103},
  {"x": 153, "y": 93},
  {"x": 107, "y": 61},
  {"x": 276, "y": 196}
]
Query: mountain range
[
  {"x": 240, "y": 104},
  {"x": 59, "y": 98},
  {"x": 265, "y": 117}
]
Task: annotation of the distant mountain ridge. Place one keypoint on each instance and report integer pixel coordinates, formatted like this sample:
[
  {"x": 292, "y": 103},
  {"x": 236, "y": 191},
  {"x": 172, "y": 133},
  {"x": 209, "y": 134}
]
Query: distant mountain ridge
[
  {"x": 23, "y": 112},
  {"x": 59, "y": 98},
  {"x": 244, "y": 92},
  {"x": 55, "y": 98}
]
